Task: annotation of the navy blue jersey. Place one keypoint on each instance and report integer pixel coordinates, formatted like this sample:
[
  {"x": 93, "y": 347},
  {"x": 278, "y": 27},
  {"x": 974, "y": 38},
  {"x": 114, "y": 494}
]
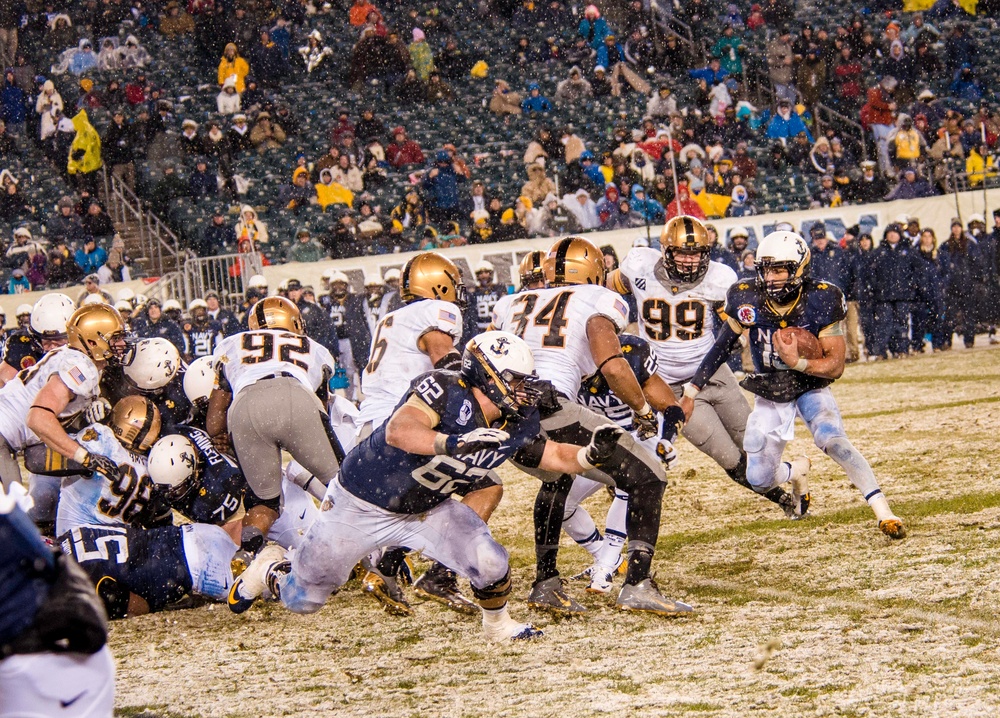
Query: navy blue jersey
[
  {"x": 411, "y": 483},
  {"x": 819, "y": 309},
  {"x": 595, "y": 393},
  {"x": 22, "y": 350},
  {"x": 201, "y": 341},
  {"x": 337, "y": 310},
  {"x": 23, "y": 584},
  {"x": 170, "y": 400},
  {"x": 149, "y": 562},
  {"x": 219, "y": 491}
]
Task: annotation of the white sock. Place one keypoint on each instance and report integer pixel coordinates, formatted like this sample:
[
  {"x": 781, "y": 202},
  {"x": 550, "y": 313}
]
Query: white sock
[
  {"x": 580, "y": 527},
  {"x": 498, "y": 624},
  {"x": 881, "y": 507}
]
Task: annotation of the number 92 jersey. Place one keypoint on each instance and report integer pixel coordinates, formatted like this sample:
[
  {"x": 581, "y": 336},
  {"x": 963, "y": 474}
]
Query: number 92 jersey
[
  {"x": 677, "y": 319},
  {"x": 249, "y": 356},
  {"x": 101, "y": 500},
  {"x": 553, "y": 322},
  {"x": 408, "y": 483}
]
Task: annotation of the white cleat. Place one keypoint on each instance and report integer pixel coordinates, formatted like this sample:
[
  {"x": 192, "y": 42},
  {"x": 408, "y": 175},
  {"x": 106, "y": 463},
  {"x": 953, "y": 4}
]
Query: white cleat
[
  {"x": 512, "y": 631},
  {"x": 249, "y": 586},
  {"x": 799, "y": 489}
]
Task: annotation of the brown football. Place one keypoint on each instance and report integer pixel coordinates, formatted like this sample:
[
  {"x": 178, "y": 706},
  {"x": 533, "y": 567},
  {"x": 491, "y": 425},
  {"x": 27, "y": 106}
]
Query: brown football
[{"x": 809, "y": 347}]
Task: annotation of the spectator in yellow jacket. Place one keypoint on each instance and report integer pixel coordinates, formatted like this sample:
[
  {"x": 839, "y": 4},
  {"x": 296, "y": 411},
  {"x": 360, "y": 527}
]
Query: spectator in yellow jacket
[
  {"x": 329, "y": 192},
  {"x": 233, "y": 65}
]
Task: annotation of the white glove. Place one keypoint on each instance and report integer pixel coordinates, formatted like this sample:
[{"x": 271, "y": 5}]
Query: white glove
[
  {"x": 16, "y": 496},
  {"x": 667, "y": 453},
  {"x": 98, "y": 410},
  {"x": 470, "y": 443}
]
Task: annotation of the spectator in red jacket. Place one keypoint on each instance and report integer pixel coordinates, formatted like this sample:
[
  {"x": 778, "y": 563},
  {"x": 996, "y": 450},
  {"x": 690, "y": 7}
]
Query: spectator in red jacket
[
  {"x": 879, "y": 115},
  {"x": 403, "y": 151}
]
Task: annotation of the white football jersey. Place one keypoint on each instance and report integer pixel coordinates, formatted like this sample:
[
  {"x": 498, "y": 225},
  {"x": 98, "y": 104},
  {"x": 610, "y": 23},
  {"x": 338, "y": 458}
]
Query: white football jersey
[
  {"x": 99, "y": 500},
  {"x": 76, "y": 370},
  {"x": 554, "y": 324},
  {"x": 677, "y": 320},
  {"x": 248, "y": 357},
  {"x": 395, "y": 360}
]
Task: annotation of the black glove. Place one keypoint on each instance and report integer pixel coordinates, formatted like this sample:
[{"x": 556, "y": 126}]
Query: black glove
[
  {"x": 673, "y": 422},
  {"x": 102, "y": 465},
  {"x": 603, "y": 443},
  {"x": 645, "y": 424},
  {"x": 470, "y": 443}
]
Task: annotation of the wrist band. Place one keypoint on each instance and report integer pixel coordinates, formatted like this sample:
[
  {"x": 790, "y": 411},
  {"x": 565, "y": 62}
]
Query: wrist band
[
  {"x": 80, "y": 455},
  {"x": 645, "y": 409},
  {"x": 581, "y": 458},
  {"x": 690, "y": 391},
  {"x": 801, "y": 365},
  {"x": 441, "y": 444}
]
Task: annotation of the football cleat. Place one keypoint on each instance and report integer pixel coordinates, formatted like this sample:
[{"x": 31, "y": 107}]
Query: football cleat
[
  {"x": 404, "y": 575},
  {"x": 800, "y": 492},
  {"x": 548, "y": 595},
  {"x": 253, "y": 581},
  {"x": 602, "y": 581},
  {"x": 241, "y": 559},
  {"x": 440, "y": 584},
  {"x": 893, "y": 528},
  {"x": 512, "y": 632},
  {"x": 645, "y": 596},
  {"x": 387, "y": 592},
  {"x": 588, "y": 573}
]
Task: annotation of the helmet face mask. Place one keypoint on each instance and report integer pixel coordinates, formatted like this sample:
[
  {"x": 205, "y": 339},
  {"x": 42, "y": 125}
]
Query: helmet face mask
[
  {"x": 98, "y": 331},
  {"x": 785, "y": 251},
  {"x": 501, "y": 366},
  {"x": 685, "y": 237}
]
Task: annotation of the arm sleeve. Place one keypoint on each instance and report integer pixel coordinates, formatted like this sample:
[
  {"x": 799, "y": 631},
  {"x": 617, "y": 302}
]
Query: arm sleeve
[
  {"x": 530, "y": 455},
  {"x": 717, "y": 355}
]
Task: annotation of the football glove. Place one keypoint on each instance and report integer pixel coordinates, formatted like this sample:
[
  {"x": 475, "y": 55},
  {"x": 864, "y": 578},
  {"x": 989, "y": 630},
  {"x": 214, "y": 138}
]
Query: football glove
[
  {"x": 673, "y": 422},
  {"x": 602, "y": 444},
  {"x": 101, "y": 464},
  {"x": 97, "y": 411},
  {"x": 667, "y": 453},
  {"x": 470, "y": 443},
  {"x": 645, "y": 423}
]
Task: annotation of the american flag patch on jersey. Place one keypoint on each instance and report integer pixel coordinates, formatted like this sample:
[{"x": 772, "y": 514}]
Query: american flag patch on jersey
[
  {"x": 446, "y": 315},
  {"x": 77, "y": 375},
  {"x": 621, "y": 307}
]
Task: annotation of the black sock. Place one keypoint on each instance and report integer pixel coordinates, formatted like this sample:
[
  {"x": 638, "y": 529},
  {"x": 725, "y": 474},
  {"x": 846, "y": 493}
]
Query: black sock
[
  {"x": 391, "y": 560},
  {"x": 550, "y": 503},
  {"x": 639, "y": 565}
]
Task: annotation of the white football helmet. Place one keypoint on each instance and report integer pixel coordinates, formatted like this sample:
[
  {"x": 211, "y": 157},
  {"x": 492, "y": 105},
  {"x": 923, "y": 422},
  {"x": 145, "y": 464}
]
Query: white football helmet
[
  {"x": 738, "y": 232},
  {"x": 125, "y": 295},
  {"x": 199, "y": 379},
  {"x": 96, "y": 298},
  {"x": 484, "y": 266},
  {"x": 391, "y": 275},
  {"x": 197, "y": 304},
  {"x": 50, "y": 314},
  {"x": 173, "y": 465},
  {"x": 502, "y": 366},
  {"x": 171, "y": 305},
  {"x": 257, "y": 281},
  {"x": 23, "y": 309},
  {"x": 124, "y": 308},
  {"x": 783, "y": 250},
  {"x": 155, "y": 363},
  {"x": 339, "y": 277}
]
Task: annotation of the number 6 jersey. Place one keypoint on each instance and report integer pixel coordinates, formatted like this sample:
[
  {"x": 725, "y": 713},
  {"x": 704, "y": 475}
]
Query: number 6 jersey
[
  {"x": 677, "y": 319},
  {"x": 250, "y": 356}
]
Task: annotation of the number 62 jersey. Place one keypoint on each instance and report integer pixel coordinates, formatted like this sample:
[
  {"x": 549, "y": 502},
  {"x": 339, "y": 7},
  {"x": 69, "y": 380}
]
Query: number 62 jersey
[
  {"x": 677, "y": 319},
  {"x": 250, "y": 356}
]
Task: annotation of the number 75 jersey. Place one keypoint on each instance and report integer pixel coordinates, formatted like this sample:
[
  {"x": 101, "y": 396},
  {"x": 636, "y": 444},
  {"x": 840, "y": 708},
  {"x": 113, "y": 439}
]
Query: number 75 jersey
[
  {"x": 553, "y": 322},
  {"x": 247, "y": 357},
  {"x": 677, "y": 319}
]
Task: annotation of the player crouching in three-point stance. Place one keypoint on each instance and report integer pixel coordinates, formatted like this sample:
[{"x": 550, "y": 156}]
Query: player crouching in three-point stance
[
  {"x": 785, "y": 383},
  {"x": 394, "y": 488}
]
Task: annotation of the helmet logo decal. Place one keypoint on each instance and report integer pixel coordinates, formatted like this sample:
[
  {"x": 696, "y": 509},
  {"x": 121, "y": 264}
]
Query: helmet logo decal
[{"x": 500, "y": 346}]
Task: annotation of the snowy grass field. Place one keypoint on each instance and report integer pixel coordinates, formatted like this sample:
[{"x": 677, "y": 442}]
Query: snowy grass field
[{"x": 819, "y": 617}]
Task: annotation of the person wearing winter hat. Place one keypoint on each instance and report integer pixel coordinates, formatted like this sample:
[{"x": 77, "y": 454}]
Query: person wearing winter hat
[
  {"x": 593, "y": 28},
  {"x": 421, "y": 55}
]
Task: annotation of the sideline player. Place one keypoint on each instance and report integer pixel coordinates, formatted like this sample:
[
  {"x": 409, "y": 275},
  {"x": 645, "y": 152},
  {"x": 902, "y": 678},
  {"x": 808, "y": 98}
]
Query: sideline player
[
  {"x": 679, "y": 292},
  {"x": 786, "y": 386},
  {"x": 572, "y": 329},
  {"x": 269, "y": 377},
  {"x": 395, "y": 488}
]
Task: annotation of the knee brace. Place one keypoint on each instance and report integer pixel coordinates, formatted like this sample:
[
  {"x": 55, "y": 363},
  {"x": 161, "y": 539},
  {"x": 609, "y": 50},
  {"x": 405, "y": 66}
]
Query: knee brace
[
  {"x": 494, "y": 595},
  {"x": 754, "y": 440}
]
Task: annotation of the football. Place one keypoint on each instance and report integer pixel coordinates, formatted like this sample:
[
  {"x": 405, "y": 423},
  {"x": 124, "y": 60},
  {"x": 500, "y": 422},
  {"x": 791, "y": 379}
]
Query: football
[{"x": 809, "y": 347}]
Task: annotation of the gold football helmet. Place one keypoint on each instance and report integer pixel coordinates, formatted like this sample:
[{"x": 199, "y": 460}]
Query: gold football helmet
[
  {"x": 531, "y": 270},
  {"x": 275, "y": 313},
  {"x": 685, "y": 235},
  {"x": 136, "y": 423},
  {"x": 432, "y": 276},
  {"x": 573, "y": 260},
  {"x": 98, "y": 330}
]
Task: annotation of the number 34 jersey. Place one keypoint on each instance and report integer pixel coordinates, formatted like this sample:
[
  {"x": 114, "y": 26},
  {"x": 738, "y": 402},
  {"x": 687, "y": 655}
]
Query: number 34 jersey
[
  {"x": 250, "y": 356},
  {"x": 677, "y": 319},
  {"x": 553, "y": 322},
  {"x": 101, "y": 500},
  {"x": 408, "y": 483}
]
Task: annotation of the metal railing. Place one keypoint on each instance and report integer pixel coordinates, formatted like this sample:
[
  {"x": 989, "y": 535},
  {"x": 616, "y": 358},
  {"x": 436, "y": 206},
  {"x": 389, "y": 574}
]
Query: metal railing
[
  {"x": 160, "y": 248},
  {"x": 225, "y": 274},
  {"x": 844, "y": 125}
]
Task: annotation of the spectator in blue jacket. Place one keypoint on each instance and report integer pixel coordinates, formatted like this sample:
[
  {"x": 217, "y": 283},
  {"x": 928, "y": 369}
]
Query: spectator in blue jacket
[
  {"x": 960, "y": 268},
  {"x": 928, "y": 305},
  {"x": 651, "y": 210},
  {"x": 534, "y": 102},
  {"x": 202, "y": 182},
  {"x": 827, "y": 260},
  {"x": 591, "y": 170},
  {"x": 893, "y": 276},
  {"x": 441, "y": 188},
  {"x": 90, "y": 257},
  {"x": 593, "y": 27},
  {"x": 712, "y": 74},
  {"x": 786, "y": 124},
  {"x": 12, "y": 104},
  {"x": 965, "y": 85}
]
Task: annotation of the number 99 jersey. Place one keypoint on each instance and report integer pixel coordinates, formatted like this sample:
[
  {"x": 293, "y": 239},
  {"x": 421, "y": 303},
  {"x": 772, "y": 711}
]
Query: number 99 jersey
[
  {"x": 249, "y": 356},
  {"x": 104, "y": 500},
  {"x": 677, "y": 319}
]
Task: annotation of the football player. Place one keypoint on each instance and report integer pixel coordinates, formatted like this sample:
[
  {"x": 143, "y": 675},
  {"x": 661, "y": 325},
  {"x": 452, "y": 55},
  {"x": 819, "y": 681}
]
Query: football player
[
  {"x": 46, "y": 331},
  {"x": 572, "y": 329},
  {"x": 394, "y": 488},
  {"x": 679, "y": 293},
  {"x": 156, "y": 372},
  {"x": 785, "y": 384},
  {"x": 102, "y": 524},
  {"x": 268, "y": 379},
  {"x": 205, "y": 333},
  {"x": 482, "y": 299},
  {"x": 416, "y": 338},
  {"x": 531, "y": 272}
]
